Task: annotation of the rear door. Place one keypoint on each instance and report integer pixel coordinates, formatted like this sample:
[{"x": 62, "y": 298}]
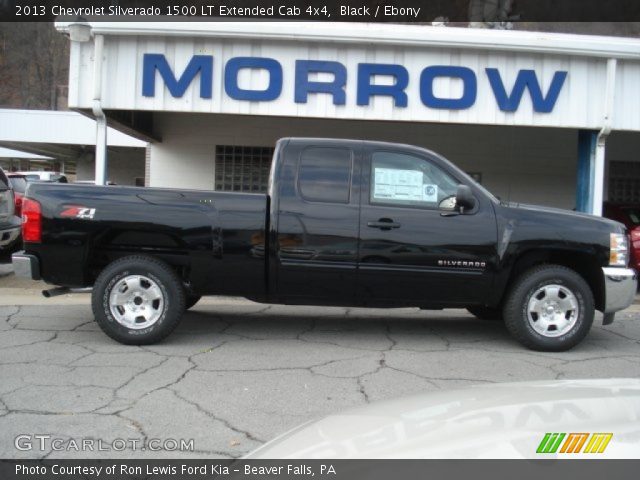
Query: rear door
[
  {"x": 414, "y": 247},
  {"x": 316, "y": 230}
]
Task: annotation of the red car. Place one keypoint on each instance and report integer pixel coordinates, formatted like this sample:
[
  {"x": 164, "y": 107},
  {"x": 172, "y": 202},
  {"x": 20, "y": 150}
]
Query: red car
[
  {"x": 630, "y": 216},
  {"x": 19, "y": 184}
]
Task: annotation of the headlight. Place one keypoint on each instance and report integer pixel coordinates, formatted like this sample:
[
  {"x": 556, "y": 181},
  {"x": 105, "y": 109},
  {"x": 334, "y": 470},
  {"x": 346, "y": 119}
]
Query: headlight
[{"x": 618, "y": 250}]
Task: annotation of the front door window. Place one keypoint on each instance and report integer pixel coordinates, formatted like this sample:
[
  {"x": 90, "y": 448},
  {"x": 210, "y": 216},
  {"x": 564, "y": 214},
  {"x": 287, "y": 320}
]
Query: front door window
[{"x": 405, "y": 180}]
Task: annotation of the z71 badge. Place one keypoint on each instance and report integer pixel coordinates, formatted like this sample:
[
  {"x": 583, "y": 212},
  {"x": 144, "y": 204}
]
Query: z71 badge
[{"x": 78, "y": 212}]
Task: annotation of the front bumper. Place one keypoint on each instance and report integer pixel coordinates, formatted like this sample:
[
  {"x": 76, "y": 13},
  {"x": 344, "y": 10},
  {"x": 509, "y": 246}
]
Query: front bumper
[
  {"x": 26, "y": 266},
  {"x": 620, "y": 285}
]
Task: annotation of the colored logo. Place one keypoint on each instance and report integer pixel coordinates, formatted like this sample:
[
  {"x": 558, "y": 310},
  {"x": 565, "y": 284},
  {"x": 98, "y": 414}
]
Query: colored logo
[
  {"x": 76, "y": 211},
  {"x": 574, "y": 443}
]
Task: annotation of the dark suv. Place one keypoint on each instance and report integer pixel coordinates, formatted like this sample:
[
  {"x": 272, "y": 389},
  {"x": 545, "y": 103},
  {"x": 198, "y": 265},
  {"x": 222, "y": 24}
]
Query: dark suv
[{"x": 9, "y": 222}]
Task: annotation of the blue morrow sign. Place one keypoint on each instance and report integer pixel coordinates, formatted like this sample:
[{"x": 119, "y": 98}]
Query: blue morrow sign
[{"x": 507, "y": 97}]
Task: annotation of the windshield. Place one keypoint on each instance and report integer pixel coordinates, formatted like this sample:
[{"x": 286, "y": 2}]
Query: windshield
[{"x": 19, "y": 184}]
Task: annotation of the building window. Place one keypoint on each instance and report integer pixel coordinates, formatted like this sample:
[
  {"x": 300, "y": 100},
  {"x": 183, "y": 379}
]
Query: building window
[
  {"x": 624, "y": 182},
  {"x": 242, "y": 169}
]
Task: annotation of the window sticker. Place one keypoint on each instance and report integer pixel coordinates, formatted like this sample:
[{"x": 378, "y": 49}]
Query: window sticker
[
  {"x": 395, "y": 184},
  {"x": 430, "y": 193}
]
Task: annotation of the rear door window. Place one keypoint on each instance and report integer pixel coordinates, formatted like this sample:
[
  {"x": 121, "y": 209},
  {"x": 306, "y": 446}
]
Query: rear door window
[{"x": 324, "y": 174}]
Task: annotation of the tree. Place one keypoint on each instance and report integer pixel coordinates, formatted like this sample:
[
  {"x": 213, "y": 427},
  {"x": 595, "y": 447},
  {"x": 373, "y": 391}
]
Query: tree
[{"x": 34, "y": 65}]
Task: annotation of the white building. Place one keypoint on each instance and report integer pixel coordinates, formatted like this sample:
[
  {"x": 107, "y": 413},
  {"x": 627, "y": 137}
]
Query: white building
[
  {"x": 65, "y": 141},
  {"x": 537, "y": 117},
  {"x": 12, "y": 160}
]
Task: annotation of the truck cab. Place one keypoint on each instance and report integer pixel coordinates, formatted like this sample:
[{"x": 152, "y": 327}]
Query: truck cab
[{"x": 377, "y": 224}]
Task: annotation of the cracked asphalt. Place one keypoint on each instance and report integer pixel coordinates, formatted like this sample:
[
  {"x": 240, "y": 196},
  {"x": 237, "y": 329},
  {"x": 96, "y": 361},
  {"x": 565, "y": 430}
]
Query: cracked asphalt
[{"x": 236, "y": 374}]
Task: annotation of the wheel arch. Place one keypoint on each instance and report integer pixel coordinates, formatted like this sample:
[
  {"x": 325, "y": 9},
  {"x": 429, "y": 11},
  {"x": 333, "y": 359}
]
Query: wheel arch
[
  {"x": 103, "y": 256},
  {"x": 582, "y": 263}
]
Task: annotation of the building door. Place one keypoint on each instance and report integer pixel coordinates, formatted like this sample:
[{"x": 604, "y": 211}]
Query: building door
[{"x": 414, "y": 247}]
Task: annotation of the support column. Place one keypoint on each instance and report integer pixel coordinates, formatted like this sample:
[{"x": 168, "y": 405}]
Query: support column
[
  {"x": 587, "y": 141},
  {"x": 101, "y": 150},
  {"x": 598, "y": 175},
  {"x": 101, "y": 119}
]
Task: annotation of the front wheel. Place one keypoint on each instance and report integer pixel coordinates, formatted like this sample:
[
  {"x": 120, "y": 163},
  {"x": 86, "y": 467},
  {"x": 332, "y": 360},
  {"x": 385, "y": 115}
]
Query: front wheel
[
  {"x": 549, "y": 308},
  {"x": 138, "y": 300}
]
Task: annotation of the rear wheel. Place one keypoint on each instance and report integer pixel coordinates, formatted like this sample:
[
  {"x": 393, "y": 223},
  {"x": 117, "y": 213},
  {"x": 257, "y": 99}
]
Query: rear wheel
[
  {"x": 549, "y": 308},
  {"x": 138, "y": 300},
  {"x": 486, "y": 313}
]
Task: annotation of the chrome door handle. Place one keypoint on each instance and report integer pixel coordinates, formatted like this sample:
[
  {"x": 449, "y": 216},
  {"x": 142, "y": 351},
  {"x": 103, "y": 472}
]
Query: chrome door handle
[{"x": 384, "y": 224}]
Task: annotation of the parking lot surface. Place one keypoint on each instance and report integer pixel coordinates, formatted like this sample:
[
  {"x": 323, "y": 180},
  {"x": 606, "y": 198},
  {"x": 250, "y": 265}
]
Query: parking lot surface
[{"x": 235, "y": 373}]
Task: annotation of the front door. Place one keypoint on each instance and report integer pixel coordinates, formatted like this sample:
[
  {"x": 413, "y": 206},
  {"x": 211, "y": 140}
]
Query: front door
[{"x": 415, "y": 248}]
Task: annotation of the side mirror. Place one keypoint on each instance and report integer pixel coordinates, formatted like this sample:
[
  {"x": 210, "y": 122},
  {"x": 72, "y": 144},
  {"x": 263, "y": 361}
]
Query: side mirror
[{"x": 464, "y": 198}]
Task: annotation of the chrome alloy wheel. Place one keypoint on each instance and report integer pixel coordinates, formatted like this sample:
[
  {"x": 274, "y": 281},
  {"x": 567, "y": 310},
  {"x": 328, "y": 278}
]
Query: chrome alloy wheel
[
  {"x": 136, "y": 302},
  {"x": 553, "y": 310}
]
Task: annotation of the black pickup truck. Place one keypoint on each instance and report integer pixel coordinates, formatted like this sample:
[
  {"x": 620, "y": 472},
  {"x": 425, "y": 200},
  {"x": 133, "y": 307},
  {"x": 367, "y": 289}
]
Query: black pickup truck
[{"x": 344, "y": 222}]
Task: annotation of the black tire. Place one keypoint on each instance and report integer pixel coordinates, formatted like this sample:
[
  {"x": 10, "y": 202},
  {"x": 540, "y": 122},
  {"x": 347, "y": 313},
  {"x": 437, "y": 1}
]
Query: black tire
[
  {"x": 516, "y": 314},
  {"x": 486, "y": 313},
  {"x": 191, "y": 300},
  {"x": 168, "y": 311}
]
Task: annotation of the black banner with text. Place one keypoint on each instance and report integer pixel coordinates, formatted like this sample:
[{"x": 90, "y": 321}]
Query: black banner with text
[
  {"x": 317, "y": 469},
  {"x": 424, "y": 11}
]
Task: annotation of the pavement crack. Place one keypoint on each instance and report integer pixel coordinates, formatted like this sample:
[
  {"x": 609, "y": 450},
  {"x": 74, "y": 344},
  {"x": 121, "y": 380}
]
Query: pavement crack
[
  {"x": 393, "y": 341},
  {"x": 91, "y": 352},
  {"x": 447, "y": 342},
  {"x": 618, "y": 334},
  {"x": 225, "y": 422},
  {"x": 81, "y": 325},
  {"x": 362, "y": 390},
  {"x": 310, "y": 329},
  {"x": 174, "y": 382},
  {"x": 226, "y": 327},
  {"x": 42, "y": 340},
  {"x": 141, "y": 372},
  {"x": 11, "y": 315},
  {"x": 432, "y": 380},
  {"x": 137, "y": 426},
  {"x": 148, "y": 350},
  {"x": 324, "y": 342}
]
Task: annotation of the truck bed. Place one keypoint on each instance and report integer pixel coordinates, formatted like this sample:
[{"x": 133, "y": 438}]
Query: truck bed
[{"x": 212, "y": 236}]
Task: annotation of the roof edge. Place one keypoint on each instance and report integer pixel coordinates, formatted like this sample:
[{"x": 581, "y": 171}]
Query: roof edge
[{"x": 384, "y": 34}]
